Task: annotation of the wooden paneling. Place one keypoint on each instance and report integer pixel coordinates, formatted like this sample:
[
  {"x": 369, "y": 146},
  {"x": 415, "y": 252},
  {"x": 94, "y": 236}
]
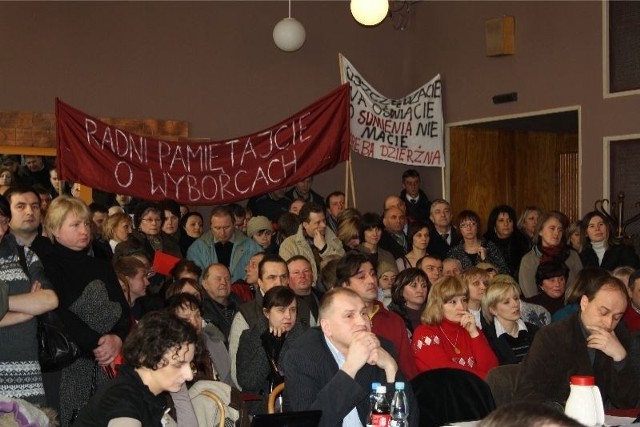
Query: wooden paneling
[{"x": 519, "y": 168}]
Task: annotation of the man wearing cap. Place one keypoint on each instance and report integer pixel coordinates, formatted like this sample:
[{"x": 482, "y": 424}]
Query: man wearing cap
[
  {"x": 223, "y": 244},
  {"x": 591, "y": 342},
  {"x": 259, "y": 229}
]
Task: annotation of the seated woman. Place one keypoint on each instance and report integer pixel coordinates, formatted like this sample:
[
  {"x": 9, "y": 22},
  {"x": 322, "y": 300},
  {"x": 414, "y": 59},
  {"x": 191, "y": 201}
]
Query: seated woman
[
  {"x": 387, "y": 273},
  {"x": 551, "y": 278},
  {"x": 511, "y": 242},
  {"x": 259, "y": 229},
  {"x": 532, "y": 313},
  {"x": 260, "y": 348},
  {"x": 550, "y": 246},
  {"x": 190, "y": 229},
  {"x": 132, "y": 276},
  {"x": 369, "y": 235},
  {"x": 117, "y": 228},
  {"x": 418, "y": 238},
  {"x": 449, "y": 337},
  {"x": 528, "y": 222},
  {"x": 409, "y": 296},
  {"x": 158, "y": 354},
  {"x": 599, "y": 246},
  {"x": 477, "y": 281},
  {"x": 508, "y": 334},
  {"x": 472, "y": 249}
]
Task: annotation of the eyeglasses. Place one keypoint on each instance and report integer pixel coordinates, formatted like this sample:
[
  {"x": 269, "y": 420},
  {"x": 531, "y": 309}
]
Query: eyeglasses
[
  {"x": 469, "y": 224},
  {"x": 151, "y": 220}
]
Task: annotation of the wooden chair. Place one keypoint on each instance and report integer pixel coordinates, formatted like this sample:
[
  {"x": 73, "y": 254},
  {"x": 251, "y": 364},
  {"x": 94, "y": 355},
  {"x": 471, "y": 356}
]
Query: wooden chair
[
  {"x": 211, "y": 395},
  {"x": 271, "y": 403}
]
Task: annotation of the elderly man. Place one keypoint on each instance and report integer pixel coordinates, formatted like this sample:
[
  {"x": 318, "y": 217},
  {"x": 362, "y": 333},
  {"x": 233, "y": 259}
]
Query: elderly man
[
  {"x": 314, "y": 240},
  {"x": 220, "y": 305},
  {"x": 443, "y": 236},
  {"x": 451, "y": 267},
  {"x": 331, "y": 368},
  {"x": 590, "y": 342},
  {"x": 223, "y": 244},
  {"x": 301, "y": 283},
  {"x": 393, "y": 238},
  {"x": 356, "y": 272},
  {"x": 418, "y": 204}
]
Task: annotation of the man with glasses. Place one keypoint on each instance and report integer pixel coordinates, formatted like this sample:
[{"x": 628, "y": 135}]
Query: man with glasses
[
  {"x": 356, "y": 272},
  {"x": 223, "y": 244}
]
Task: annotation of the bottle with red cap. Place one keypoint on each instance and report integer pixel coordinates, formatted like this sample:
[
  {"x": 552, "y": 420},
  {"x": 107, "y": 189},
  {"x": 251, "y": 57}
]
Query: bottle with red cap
[
  {"x": 585, "y": 401},
  {"x": 381, "y": 410}
]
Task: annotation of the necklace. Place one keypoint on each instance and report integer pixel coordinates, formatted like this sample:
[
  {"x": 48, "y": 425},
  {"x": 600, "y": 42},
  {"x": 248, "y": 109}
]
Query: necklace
[{"x": 454, "y": 345}]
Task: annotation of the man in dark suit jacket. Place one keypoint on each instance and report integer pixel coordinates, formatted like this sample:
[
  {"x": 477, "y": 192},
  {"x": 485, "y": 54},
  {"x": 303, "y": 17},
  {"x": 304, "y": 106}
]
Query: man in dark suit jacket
[
  {"x": 331, "y": 368},
  {"x": 442, "y": 235},
  {"x": 393, "y": 238},
  {"x": 414, "y": 198}
]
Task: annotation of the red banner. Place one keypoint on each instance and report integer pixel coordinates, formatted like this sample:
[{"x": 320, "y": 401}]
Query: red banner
[{"x": 100, "y": 156}]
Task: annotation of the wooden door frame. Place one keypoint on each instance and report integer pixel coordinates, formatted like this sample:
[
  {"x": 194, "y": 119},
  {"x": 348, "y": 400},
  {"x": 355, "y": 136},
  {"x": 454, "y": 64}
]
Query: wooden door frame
[{"x": 446, "y": 171}]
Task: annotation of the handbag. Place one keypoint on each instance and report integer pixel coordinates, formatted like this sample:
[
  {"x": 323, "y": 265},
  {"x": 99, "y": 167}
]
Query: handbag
[{"x": 55, "y": 349}]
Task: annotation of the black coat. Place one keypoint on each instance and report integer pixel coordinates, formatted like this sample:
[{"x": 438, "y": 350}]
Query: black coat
[
  {"x": 419, "y": 211},
  {"x": 615, "y": 256},
  {"x": 438, "y": 246}
]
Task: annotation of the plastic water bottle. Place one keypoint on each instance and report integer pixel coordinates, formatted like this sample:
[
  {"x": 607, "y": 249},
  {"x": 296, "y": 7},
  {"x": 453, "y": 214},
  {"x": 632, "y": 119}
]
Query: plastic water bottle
[{"x": 399, "y": 407}]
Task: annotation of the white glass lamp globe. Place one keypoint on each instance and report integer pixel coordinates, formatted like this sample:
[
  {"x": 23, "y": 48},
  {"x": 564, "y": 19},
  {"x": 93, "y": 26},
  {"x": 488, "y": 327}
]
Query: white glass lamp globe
[
  {"x": 289, "y": 34},
  {"x": 369, "y": 12}
]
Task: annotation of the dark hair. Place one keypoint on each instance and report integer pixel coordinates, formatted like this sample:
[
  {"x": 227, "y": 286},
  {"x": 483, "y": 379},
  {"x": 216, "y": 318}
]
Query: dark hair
[
  {"x": 185, "y": 265},
  {"x": 183, "y": 300},
  {"x": 185, "y": 218},
  {"x": 177, "y": 287},
  {"x": 368, "y": 221},
  {"x": 584, "y": 225},
  {"x": 410, "y": 173},
  {"x": 97, "y": 207},
  {"x": 142, "y": 209},
  {"x": 221, "y": 211},
  {"x": 171, "y": 206},
  {"x": 130, "y": 247},
  {"x": 576, "y": 288},
  {"x": 278, "y": 296},
  {"x": 404, "y": 279},
  {"x": 632, "y": 279},
  {"x": 41, "y": 190},
  {"x": 493, "y": 219},
  {"x": 19, "y": 189},
  {"x": 156, "y": 334},
  {"x": 331, "y": 195},
  {"x": 327, "y": 277},
  {"x": 549, "y": 270},
  {"x": 308, "y": 209},
  {"x": 288, "y": 224},
  {"x": 270, "y": 258},
  {"x": 413, "y": 228},
  {"x": 469, "y": 215},
  {"x": 349, "y": 265},
  {"x": 5, "y": 209},
  {"x": 237, "y": 211},
  {"x": 594, "y": 287}
]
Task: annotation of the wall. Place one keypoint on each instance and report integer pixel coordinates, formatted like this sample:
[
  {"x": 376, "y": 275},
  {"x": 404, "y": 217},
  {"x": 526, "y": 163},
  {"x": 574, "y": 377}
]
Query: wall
[{"x": 215, "y": 65}]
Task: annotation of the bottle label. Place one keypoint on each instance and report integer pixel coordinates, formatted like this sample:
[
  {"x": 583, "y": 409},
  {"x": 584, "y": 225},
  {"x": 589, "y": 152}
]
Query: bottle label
[{"x": 381, "y": 420}]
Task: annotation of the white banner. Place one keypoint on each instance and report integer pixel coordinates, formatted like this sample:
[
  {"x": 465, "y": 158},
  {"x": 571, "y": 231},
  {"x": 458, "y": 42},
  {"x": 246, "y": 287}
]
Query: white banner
[{"x": 407, "y": 130}]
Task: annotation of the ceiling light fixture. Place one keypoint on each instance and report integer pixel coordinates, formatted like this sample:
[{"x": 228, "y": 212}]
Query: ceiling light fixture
[
  {"x": 369, "y": 12},
  {"x": 289, "y": 34}
]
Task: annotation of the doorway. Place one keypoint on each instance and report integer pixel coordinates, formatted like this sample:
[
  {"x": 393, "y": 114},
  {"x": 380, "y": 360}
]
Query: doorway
[{"x": 528, "y": 160}]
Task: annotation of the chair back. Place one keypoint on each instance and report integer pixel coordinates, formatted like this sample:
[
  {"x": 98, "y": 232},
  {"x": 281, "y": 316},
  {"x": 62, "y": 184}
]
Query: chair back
[
  {"x": 450, "y": 395},
  {"x": 503, "y": 381},
  {"x": 271, "y": 403}
]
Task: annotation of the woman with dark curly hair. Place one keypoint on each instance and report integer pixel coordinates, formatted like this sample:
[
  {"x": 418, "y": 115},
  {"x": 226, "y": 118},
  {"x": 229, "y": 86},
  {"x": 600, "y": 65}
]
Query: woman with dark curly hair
[
  {"x": 409, "y": 296},
  {"x": 158, "y": 354},
  {"x": 473, "y": 249},
  {"x": 512, "y": 242}
]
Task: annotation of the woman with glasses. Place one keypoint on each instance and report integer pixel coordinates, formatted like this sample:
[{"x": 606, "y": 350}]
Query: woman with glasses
[{"x": 473, "y": 249}]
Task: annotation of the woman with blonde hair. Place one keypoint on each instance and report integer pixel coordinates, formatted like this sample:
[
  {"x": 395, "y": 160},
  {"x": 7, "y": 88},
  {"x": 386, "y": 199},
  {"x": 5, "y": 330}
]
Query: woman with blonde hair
[
  {"x": 528, "y": 222},
  {"x": 117, "y": 228},
  {"x": 508, "y": 334},
  {"x": 449, "y": 337},
  {"x": 93, "y": 308}
]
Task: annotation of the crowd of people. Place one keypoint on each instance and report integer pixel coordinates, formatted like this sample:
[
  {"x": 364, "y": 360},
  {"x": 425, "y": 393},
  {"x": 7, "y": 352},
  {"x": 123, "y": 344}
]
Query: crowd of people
[{"x": 298, "y": 288}]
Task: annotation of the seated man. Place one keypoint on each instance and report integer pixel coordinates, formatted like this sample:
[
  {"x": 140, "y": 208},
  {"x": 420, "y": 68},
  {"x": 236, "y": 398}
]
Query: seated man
[
  {"x": 220, "y": 304},
  {"x": 393, "y": 238},
  {"x": 590, "y": 342},
  {"x": 331, "y": 368}
]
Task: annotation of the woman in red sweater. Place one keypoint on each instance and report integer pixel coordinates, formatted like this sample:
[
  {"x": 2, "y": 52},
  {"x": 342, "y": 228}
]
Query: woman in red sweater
[{"x": 449, "y": 337}]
